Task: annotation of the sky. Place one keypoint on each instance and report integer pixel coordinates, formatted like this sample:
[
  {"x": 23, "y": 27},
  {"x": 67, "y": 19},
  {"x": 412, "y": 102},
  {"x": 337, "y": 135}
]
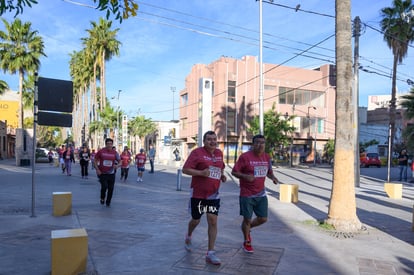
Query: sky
[{"x": 167, "y": 37}]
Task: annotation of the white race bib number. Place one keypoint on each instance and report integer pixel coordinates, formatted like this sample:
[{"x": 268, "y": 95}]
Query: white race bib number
[
  {"x": 260, "y": 171},
  {"x": 107, "y": 163},
  {"x": 215, "y": 172}
]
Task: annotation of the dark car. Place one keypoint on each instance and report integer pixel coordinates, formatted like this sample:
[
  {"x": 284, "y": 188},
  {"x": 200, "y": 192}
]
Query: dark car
[{"x": 369, "y": 159}]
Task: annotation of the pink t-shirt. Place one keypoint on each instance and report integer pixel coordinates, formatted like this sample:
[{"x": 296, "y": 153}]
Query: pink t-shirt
[
  {"x": 200, "y": 159},
  {"x": 107, "y": 160},
  {"x": 260, "y": 167},
  {"x": 125, "y": 159},
  {"x": 140, "y": 160}
]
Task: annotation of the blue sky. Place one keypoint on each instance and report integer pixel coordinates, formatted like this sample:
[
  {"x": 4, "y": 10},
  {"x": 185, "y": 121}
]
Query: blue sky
[{"x": 167, "y": 37}]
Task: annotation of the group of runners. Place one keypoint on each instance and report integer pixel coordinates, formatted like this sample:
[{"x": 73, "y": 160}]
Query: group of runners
[{"x": 206, "y": 166}]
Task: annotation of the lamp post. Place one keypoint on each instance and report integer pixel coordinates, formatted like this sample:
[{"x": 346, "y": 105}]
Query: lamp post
[
  {"x": 314, "y": 141},
  {"x": 261, "y": 88},
  {"x": 173, "y": 92},
  {"x": 117, "y": 121}
]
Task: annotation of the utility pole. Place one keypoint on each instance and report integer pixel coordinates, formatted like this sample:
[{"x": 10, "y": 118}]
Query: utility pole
[
  {"x": 357, "y": 33},
  {"x": 173, "y": 92}
]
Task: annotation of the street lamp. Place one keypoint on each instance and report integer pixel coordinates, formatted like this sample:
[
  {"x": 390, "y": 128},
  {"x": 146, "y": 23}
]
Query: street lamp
[
  {"x": 117, "y": 120},
  {"x": 314, "y": 141}
]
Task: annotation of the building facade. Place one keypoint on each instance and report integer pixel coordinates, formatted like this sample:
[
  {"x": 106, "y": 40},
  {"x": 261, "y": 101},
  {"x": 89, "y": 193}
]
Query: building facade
[{"x": 309, "y": 95}]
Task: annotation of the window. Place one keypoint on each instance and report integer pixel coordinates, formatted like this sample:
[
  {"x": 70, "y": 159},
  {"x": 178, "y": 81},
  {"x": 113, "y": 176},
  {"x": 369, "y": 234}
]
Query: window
[
  {"x": 231, "y": 120},
  {"x": 231, "y": 91},
  {"x": 184, "y": 99},
  {"x": 301, "y": 97},
  {"x": 270, "y": 87}
]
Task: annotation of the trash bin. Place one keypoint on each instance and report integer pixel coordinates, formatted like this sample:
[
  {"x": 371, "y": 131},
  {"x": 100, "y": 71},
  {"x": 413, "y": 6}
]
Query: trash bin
[{"x": 25, "y": 162}]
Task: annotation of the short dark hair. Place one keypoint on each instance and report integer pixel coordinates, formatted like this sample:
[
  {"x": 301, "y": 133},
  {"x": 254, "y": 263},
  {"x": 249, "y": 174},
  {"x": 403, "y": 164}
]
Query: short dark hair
[
  {"x": 257, "y": 136},
  {"x": 109, "y": 140},
  {"x": 208, "y": 133}
]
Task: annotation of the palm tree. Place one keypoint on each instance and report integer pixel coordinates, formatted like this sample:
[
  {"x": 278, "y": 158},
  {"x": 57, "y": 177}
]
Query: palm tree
[
  {"x": 103, "y": 44},
  {"x": 342, "y": 208},
  {"x": 408, "y": 104},
  {"x": 398, "y": 33},
  {"x": 20, "y": 50},
  {"x": 3, "y": 87}
]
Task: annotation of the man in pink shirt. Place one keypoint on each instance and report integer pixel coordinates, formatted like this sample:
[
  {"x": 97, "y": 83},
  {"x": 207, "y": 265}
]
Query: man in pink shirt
[
  {"x": 140, "y": 160},
  {"x": 106, "y": 162},
  {"x": 206, "y": 166},
  {"x": 251, "y": 169}
]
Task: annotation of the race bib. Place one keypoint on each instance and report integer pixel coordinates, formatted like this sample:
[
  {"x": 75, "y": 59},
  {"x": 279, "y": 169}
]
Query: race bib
[
  {"x": 140, "y": 161},
  {"x": 107, "y": 163},
  {"x": 215, "y": 172},
  {"x": 260, "y": 171}
]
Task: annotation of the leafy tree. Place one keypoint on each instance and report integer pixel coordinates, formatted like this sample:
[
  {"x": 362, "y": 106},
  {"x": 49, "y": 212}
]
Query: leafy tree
[
  {"x": 106, "y": 122},
  {"x": 121, "y": 9},
  {"x": 20, "y": 50},
  {"x": 277, "y": 128},
  {"x": 329, "y": 149},
  {"x": 398, "y": 33},
  {"x": 140, "y": 126},
  {"x": 102, "y": 45},
  {"x": 408, "y": 133},
  {"x": 364, "y": 145},
  {"x": 342, "y": 207},
  {"x": 3, "y": 87}
]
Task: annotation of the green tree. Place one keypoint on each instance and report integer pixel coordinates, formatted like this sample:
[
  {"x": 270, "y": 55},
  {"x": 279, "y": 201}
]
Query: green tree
[
  {"x": 20, "y": 50},
  {"x": 398, "y": 34},
  {"x": 3, "y": 87},
  {"x": 277, "y": 128},
  {"x": 121, "y": 9},
  {"x": 140, "y": 126},
  {"x": 103, "y": 45},
  {"x": 106, "y": 123},
  {"x": 342, "y": 207},
  {"x": 408, "y": 133},
  {"x": 329, "y": 150}
]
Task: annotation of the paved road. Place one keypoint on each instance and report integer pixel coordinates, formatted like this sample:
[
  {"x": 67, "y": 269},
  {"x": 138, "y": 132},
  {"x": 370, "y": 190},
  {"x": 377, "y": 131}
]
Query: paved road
[{"x": 143, "y": 231}]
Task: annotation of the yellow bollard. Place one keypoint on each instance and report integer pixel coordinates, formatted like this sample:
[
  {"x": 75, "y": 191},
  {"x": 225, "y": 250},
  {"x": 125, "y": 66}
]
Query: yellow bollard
[
  {"x": 62, "y": 203},
  {"x": 69, "y": 251},
  {"x": 289, "y": 193},
  {"x": 393, "y": 190}
]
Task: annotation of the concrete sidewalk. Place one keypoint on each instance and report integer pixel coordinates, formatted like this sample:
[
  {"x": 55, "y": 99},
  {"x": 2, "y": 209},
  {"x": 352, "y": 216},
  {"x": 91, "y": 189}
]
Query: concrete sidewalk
[{"x": 143, "y": 230}]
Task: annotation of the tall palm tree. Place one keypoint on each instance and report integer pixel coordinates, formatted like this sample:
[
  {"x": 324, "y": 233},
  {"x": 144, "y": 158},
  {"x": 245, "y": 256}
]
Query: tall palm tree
[
  {"x": 20, "y": 52},
  {"x": 103, "y": 43},
  {"x": 342, "y": 208},
  {"x": 398, "y": 33}
]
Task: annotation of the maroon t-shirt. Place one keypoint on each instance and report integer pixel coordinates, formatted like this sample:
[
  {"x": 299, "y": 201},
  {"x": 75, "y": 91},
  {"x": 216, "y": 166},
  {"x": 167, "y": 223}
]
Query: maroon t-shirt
[
  {"x": 140, "y": 160},
  {"x": 200, "y": 159},
  {"x": 260, "y": 167},
  {"x": 107, "y": 159}
]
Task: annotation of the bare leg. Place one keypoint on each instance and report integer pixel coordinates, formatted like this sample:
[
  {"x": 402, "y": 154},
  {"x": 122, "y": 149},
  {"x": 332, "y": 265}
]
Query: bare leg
[{"x": 212, "y": 230}]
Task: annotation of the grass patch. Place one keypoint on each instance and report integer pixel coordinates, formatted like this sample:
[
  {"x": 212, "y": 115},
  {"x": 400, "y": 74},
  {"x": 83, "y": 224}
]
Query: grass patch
[{"x": 321, "y": 224}]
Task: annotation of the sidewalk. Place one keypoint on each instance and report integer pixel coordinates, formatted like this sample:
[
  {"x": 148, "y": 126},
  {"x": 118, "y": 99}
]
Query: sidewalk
[{"x": 143, "y": 230}]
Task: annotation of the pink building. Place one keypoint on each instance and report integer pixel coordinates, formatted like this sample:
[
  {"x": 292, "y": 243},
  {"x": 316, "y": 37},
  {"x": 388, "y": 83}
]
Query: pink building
[{"x": 308, "y": 94}]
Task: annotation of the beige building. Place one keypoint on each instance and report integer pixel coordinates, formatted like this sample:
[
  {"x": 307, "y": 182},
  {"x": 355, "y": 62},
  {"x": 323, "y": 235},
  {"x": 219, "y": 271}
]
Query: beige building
[{"x": 308, "y": 94}]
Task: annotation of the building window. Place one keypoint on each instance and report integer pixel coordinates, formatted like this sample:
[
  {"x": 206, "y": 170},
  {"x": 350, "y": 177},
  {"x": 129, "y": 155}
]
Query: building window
[
  {"x": 301, "y": 97},
  {"x": 231, "y": 91},
  {"x": 184, "y": 99},
  {"x": 270, "y": 87},
  {"x": 231, "y": 120}
]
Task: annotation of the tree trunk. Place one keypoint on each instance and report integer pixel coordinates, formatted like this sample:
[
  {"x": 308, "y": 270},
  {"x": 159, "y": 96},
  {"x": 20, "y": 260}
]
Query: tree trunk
[
  {"x": 342, "y": 207},
  {"x": 103, "y": 83},
  {"x": 393, "y": 104},
  {"x": 21, "y": 110}
]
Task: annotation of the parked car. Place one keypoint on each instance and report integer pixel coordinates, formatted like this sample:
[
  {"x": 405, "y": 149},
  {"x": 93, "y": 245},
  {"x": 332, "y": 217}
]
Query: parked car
[
  {"x": 42, "y": 155},
  {"x": 369, "y": 159}
]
